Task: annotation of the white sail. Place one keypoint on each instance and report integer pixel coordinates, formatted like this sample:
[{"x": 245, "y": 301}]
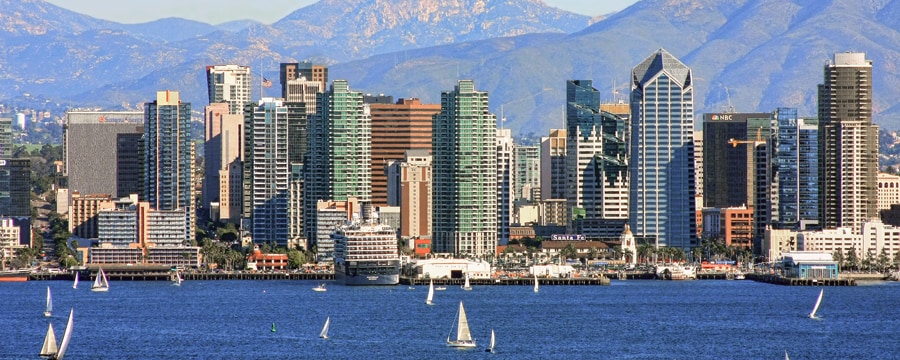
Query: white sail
[
  {"x": 324, "y": 333},
  {"x": 178, "y": 278},
  {"x": 467, "y": 286},
  {"x": 66, "y": 337},
  {"x": 49, "y": 347},
  {"x": 49, "y": 309},
  {"x": 492, "y": 341},
  {"x": 463, "y": 336},
  {"x": 430, "y": 293},
  {"x": 818, "y": 302},
  {"x": 786, "y": 357},
  {"x": 462, "y": 330},
  {"x": 100, "y": 283},
  {"x": 75, "y": 284},
  {"x": 535, "y": 283}
]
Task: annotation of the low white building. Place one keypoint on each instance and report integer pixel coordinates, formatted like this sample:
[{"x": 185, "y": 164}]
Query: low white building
[
  {"x": 875, "y": 237},
  {"x": 452, "y": 268},
  {"x": 552, "y": 270}
]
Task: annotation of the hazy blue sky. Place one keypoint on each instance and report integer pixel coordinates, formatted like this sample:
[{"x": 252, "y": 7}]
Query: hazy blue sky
[{"x": 266, "y": 11}]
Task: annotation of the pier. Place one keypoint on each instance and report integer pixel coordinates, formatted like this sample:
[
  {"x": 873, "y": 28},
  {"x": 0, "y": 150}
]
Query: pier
[
  {"x": 780, "y": 280},
  {"x": 523, "y": 281}
]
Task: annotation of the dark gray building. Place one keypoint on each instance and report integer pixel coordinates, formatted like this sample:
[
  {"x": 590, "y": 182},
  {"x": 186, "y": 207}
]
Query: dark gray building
[
  {"x": 729, "y": 143},
  {"x": 102, "y": 152}
]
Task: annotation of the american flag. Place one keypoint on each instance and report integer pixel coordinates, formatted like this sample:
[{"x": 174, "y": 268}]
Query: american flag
[{"x": 266, "y": 82}]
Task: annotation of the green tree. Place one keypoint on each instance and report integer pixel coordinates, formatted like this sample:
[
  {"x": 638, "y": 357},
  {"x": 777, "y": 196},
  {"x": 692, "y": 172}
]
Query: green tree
[
  {"x": 593, "y": 252},
  {"x": 851, "y": 259},
  {"x": 296, "y": 259},
  {"x": 569, "y": 252},
  {"x": 883, "y": 261}
]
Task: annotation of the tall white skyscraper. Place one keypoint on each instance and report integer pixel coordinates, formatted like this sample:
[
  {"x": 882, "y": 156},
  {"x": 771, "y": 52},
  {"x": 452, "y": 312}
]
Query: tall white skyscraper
[
  {"x": 229, "y": 84},
  {"x": 662, "y": 202}
]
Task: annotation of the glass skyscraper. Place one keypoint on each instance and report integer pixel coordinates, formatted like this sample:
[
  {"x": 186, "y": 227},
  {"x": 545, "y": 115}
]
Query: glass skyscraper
[
  {"x": 266, "y": 170},
  {"x": 596, "y": 155},
  {"x": 662, "y": 205},
  {"x": 339, "y": 152},
  {"x": 464, "y": 149},
  {"x": 168, "y": 155},
  {"x": 796, "y": 161}
]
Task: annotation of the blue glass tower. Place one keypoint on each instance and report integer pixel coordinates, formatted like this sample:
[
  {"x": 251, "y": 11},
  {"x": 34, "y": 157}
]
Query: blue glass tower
[
  {"x": 168, "y": 154},
  {"x": 797, "y": 162},
  {"x": 662, "y": 193}
]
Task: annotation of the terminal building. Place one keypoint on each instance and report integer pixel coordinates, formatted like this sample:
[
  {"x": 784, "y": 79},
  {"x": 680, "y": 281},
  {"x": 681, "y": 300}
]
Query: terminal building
[{"x": 809, "y": 265}]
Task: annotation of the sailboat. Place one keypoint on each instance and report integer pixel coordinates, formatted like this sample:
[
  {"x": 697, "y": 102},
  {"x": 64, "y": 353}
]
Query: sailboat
[
  {"x": 466, "y": 286},
  {"x": 812, "y": 315},
  {"x": 100, "y": 283},
  {"x": 430, "y": 293},
  {"x": 324, "y": 333},
  {"x": 786, "y": 357},
  {"x": 463, "y": 336},
  {"x": 49, "y": 350},
  {"x": 491, "y": 347},
  {"x": 49, "y": 310},
  {"x": 536, "y": 283},
  {"x": 273, "y": 327},
  {"x": 75, "y": 284},
  {"x": 177, "y": 279}
]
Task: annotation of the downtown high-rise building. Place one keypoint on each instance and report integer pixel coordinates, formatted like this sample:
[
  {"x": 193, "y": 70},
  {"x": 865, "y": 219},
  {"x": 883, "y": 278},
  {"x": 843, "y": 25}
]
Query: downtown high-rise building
[
  {"x": 229, "y": 84},
  {"x": 298, "y": 70},
  {"x": 729, "y": 145},
  {"x": 396, "y": 128},
  {"x": 796, "y": 166},
  {"x": 464, "y": 173},
  {"x": 661, "y": 206},
  {"x": 597, "y": 156},
  {"x": 168, "y": 155},
  {"x": 528, "y": 172},
  {"x": 103, "y": 152},
  {"x": 223, "y": 151},
  {"x": 266, "y": 171},
  {"x": 848, "y": 144},
  {"x": 339, "y": 155},
  {"x": 506, "y": 183},
  {"x": 553, "y": 165},
  {"x": 301, "y": 96}
]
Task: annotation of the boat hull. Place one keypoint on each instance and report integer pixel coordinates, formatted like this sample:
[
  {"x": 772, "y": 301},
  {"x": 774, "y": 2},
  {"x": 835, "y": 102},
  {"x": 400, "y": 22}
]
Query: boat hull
[
  {"x": 14, "y": 276},
  {"x": 461, "y": 344},
  {"x": 361, "y": 273}
]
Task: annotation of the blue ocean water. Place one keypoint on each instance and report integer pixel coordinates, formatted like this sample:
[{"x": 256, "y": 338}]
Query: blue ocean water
[{"x": 635, "y": 319}]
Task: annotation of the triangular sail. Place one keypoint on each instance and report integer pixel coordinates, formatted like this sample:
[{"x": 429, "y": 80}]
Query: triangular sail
[
  {"x": 492, "y": 340},
  {"x": 75, "y": 285},
  {"x": 462, "y": 329},
  {"x": 818, "y": 302},
  {"x": 786, "y": 357},
  {"x": 324, "y": 333},
  {"x": 49, "y": 301},
  {"x": 535, "y": 283},
  {"x": 66, "y": 337},
  {"x": 49, "y": 348},
  {"x": 430, "y": 293}
]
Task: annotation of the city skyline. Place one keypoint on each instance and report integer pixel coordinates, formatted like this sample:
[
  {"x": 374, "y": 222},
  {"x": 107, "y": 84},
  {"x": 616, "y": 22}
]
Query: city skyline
[{"x": 216, "y": 12}]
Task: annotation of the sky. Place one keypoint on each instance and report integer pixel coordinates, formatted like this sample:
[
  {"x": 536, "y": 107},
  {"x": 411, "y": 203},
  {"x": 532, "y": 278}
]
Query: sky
[{"x": 220, "y": 11}]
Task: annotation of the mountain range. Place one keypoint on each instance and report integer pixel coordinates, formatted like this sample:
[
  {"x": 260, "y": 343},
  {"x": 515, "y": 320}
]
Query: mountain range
[{"x": 746, "y": 55}]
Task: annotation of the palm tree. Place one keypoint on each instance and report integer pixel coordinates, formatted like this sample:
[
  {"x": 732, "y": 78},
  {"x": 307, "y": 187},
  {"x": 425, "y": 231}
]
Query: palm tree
[{"x": 628, "y": 255}]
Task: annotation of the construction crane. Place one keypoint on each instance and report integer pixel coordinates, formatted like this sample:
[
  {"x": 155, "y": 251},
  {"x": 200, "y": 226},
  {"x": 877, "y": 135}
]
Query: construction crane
[{"x": 759, "y": 140}]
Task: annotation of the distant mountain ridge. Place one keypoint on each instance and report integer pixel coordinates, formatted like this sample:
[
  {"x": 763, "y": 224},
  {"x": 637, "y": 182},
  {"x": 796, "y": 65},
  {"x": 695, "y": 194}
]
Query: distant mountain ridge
[{"x": 753, "y": 55}]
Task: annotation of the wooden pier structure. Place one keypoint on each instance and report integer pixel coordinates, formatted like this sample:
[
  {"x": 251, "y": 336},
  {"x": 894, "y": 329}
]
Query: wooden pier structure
[{"x": 781, "y": 280}]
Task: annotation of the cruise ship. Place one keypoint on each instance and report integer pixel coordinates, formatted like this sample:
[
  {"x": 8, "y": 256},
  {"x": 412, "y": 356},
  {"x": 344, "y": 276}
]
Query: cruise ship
[{"x": 366, "y": 254}]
